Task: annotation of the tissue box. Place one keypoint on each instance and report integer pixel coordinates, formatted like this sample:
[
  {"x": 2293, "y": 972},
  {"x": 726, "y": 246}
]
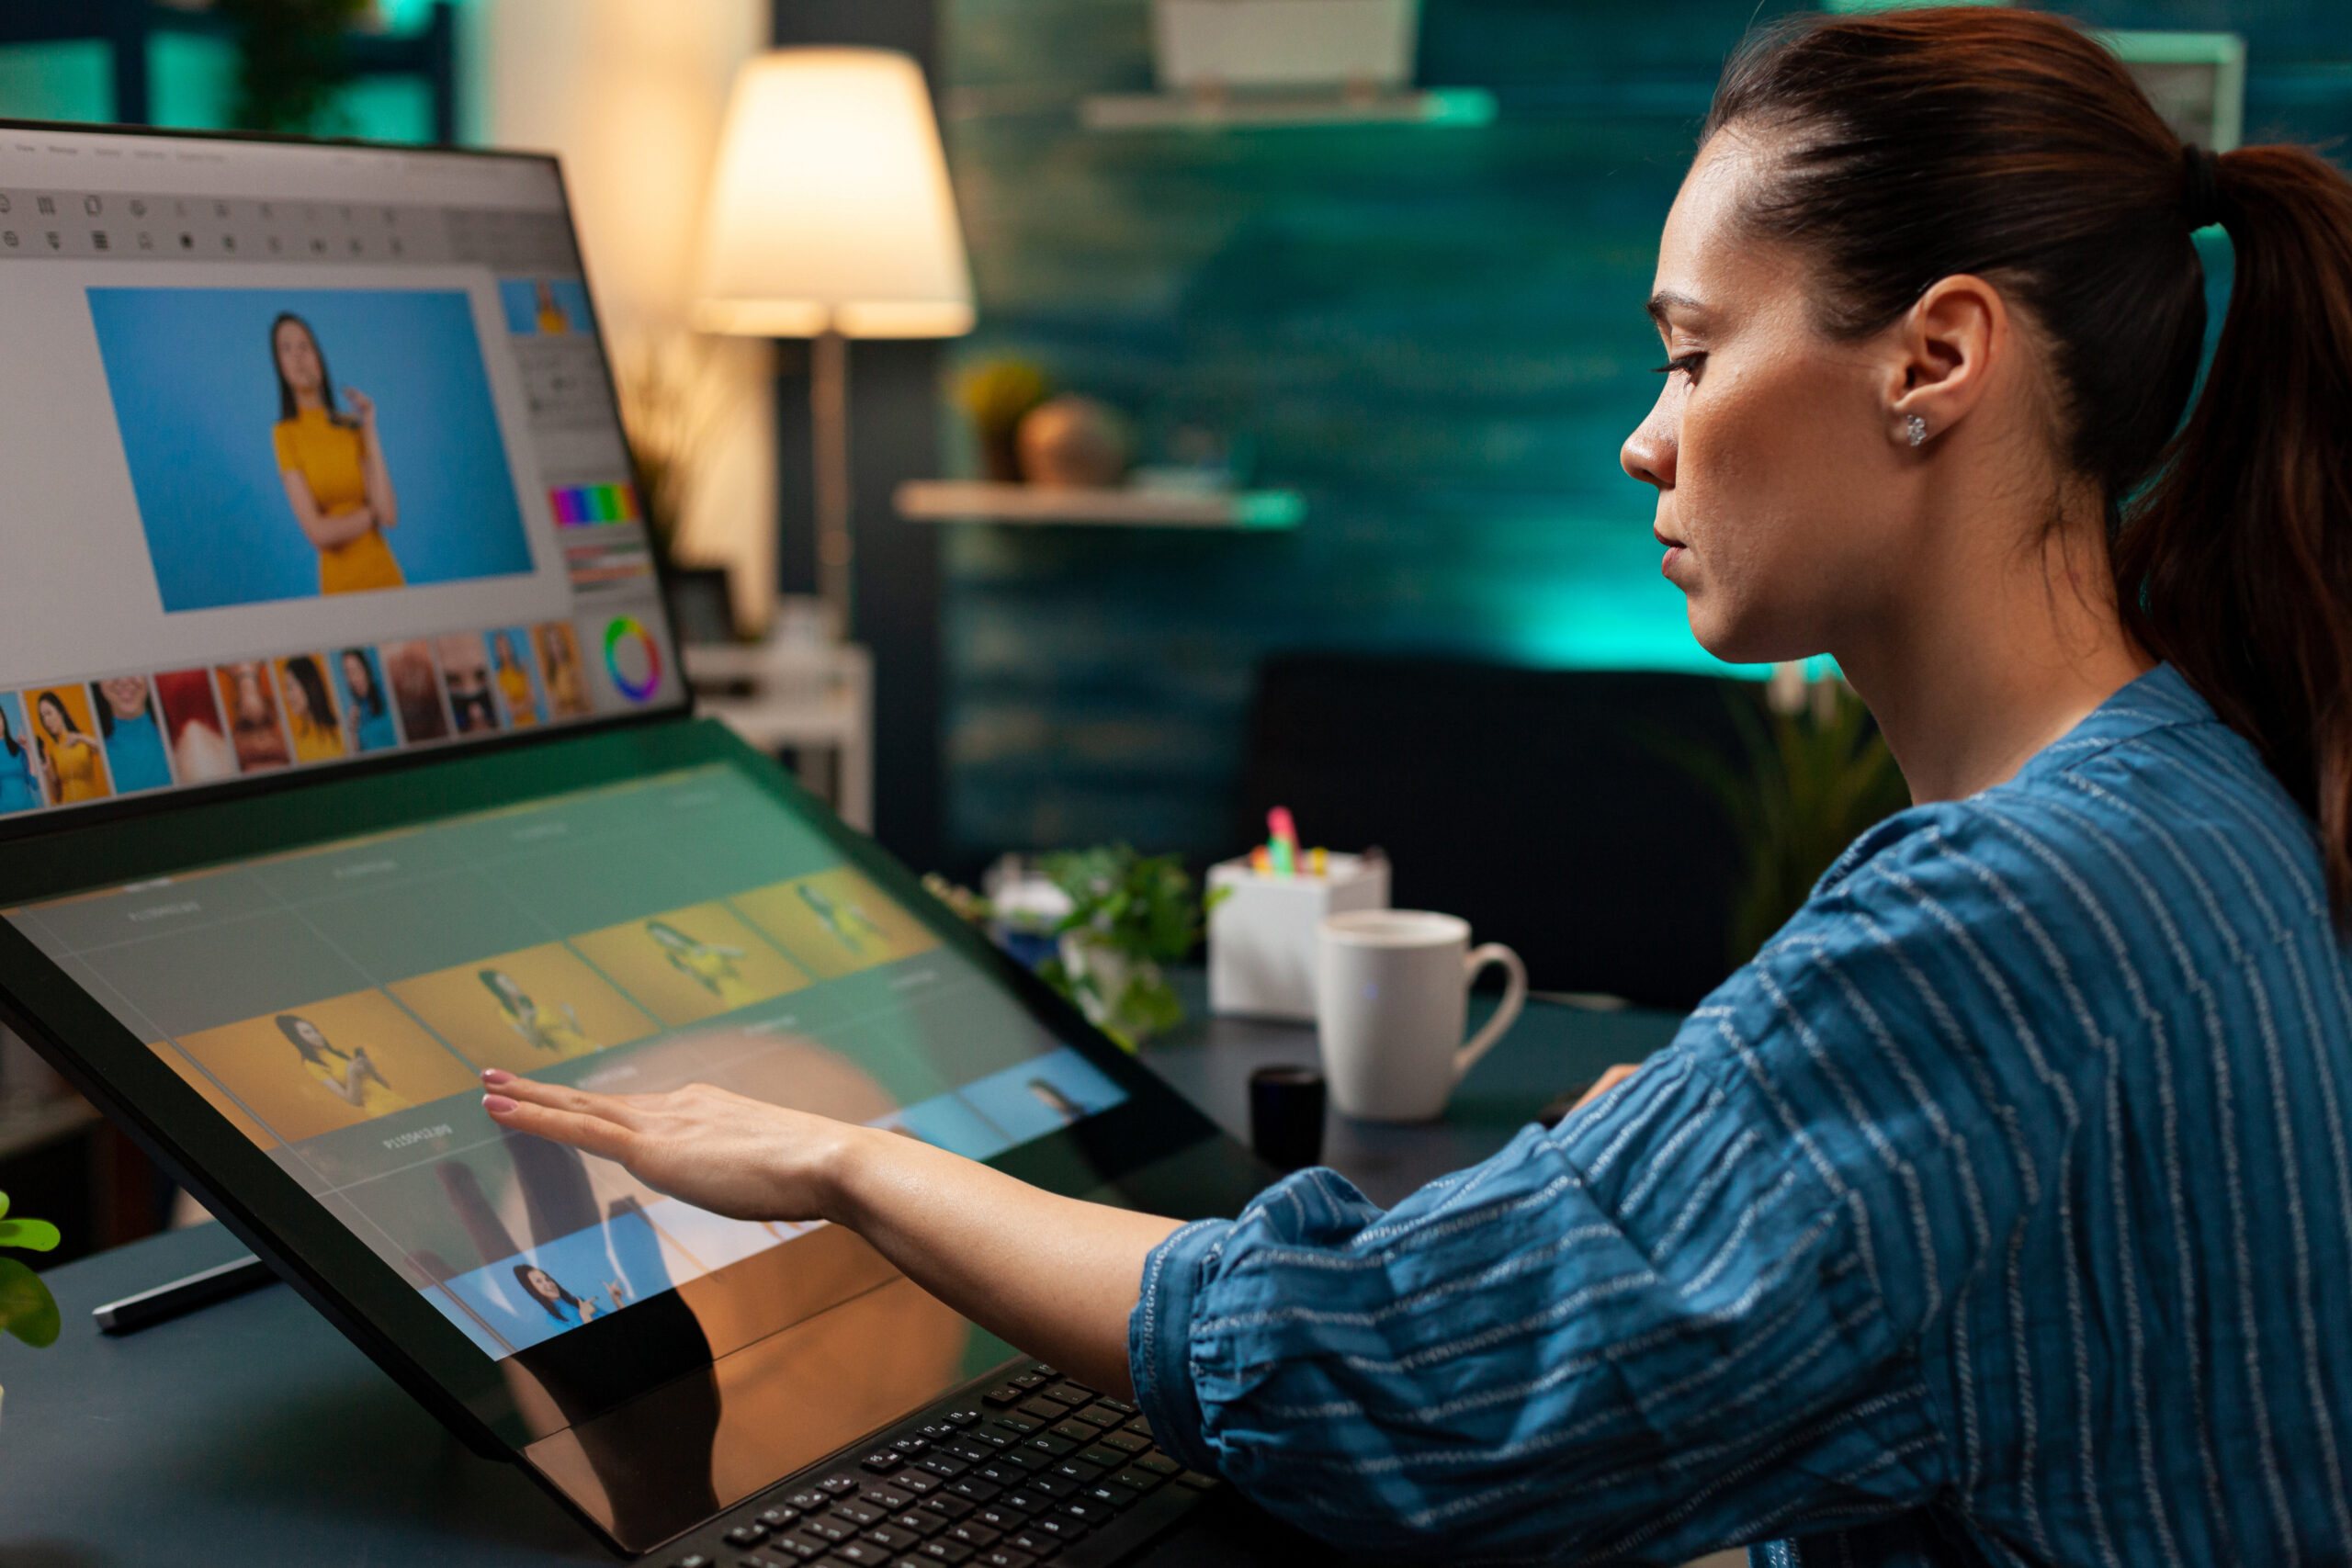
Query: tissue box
[{"x": 1261, "y": 933}]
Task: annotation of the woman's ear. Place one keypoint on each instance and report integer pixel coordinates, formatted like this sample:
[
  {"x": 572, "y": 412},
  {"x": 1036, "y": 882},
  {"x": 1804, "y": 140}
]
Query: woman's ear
[{"x": 1946, "y": 350}]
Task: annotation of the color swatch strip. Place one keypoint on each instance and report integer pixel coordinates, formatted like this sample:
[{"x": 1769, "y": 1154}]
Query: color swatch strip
[{"x": 579, "y": 504}]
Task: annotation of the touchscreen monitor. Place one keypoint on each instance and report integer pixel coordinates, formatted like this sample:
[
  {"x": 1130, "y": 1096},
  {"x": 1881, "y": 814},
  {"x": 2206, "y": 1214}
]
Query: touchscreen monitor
[{"x": 337, "y": 1004}]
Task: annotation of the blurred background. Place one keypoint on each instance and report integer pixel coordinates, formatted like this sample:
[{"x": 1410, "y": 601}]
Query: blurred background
[{"x": 1332, "y": 328}]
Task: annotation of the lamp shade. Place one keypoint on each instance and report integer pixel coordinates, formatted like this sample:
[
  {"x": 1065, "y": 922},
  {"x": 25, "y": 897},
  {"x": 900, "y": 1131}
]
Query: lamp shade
[{"x": 830, "y": 208}]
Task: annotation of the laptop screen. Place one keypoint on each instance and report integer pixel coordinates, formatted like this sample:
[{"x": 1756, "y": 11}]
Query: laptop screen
[{"x": 314, "y": 456}]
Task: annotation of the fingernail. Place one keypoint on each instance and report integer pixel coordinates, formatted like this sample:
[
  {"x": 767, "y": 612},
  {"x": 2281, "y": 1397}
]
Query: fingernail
[
  {"x": 496, "y": 1074},
  {"x": 497, "y": 1104}
]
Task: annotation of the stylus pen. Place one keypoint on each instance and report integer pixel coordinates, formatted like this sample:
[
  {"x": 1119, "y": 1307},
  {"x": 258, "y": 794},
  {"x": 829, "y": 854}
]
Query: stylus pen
[{"x": 132, "y": 1313}]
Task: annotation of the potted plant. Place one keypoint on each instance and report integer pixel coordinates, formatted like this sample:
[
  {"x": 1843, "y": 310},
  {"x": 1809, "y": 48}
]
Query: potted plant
[
  {"x": 1129, "y": 915},
  {"x": 26, "y": 1309}
]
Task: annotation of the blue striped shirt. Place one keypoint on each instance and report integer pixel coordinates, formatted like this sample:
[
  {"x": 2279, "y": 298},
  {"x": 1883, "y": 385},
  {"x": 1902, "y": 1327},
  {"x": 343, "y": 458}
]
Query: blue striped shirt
[{"x": 1999, "y": 1212}]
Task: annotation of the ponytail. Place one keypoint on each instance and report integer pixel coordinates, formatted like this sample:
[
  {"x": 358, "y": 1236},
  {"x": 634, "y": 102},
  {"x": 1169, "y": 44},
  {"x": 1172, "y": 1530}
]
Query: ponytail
[
  {"x": 2237, "y": 563},
  {"x": 2006, "y": 144}
]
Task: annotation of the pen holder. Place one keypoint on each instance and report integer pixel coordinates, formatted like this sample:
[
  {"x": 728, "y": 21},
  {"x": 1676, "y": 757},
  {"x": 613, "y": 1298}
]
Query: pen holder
[{"x": 1262, "y": 931}]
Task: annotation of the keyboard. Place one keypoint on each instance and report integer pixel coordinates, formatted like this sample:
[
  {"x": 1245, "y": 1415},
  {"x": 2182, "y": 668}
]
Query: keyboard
[{"x": 1033, "y": 1467}]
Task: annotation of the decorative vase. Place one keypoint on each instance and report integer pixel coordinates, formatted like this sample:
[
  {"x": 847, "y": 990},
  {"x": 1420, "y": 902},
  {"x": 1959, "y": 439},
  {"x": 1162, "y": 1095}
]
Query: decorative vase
[{"x": 1072, "y": 443}]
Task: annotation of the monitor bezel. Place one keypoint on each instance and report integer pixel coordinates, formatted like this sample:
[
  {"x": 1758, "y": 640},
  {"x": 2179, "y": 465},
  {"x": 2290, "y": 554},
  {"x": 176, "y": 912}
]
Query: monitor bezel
[
  {"x": 362, "y": 1294},
  {"x": 23, "y": 826}
]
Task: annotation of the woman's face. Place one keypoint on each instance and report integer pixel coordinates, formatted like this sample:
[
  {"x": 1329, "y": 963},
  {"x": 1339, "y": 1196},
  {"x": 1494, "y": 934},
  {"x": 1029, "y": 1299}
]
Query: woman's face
[
  {"x": 253, "y": 708},
  {"x": 541, "y": 1286},
  {"x": 298, "y": 356},
  {"x": 127, "y": 694},
  {"x": 310, "y": 1033},
  {"x": 52, "y": 716},
  {"x": 358, "y": 677},
  {"x": 298, "y": 701},
  {"x": 1770, "y": 444}
]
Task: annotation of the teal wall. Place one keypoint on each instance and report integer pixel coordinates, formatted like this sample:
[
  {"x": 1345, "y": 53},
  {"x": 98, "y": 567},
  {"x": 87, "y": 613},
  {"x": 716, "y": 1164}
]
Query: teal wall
[{"x": 1435, "y": 333}]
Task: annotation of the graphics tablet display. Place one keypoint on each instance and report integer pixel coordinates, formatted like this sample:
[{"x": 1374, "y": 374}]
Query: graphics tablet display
[{"x": 336, "y": 1004}]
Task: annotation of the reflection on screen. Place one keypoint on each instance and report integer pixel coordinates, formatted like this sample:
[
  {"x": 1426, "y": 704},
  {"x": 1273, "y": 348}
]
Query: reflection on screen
[{"x": 337, "y": 1006}]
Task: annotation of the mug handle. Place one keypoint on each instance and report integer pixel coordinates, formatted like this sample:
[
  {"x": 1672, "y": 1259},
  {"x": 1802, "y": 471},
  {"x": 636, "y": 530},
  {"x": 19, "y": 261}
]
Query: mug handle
[{"x": 1514, "y": 998}]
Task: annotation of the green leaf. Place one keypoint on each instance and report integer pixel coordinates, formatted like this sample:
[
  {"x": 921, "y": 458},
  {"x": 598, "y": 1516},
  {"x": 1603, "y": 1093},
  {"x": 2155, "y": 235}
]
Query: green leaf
[
  {"x": 3, "y": 1203},
  {"x": 26, "y": 1309},
  {"x": 33, "y": 1236}
]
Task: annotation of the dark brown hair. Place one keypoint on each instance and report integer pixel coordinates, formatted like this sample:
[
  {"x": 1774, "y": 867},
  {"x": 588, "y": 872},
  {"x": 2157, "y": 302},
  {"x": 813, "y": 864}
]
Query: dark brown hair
[{"x": 2006, "y": 144}]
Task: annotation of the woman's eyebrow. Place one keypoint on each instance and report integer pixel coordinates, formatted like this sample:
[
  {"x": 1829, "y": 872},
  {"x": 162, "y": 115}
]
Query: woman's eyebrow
[{"x": 1666, "y": 299}]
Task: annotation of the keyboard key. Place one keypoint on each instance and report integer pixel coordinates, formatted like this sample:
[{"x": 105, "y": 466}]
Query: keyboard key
[
  {"x": 970, "y": 1448},
  {"x": 746, "y": 1535},
  {"x": 838, "y": 1486},
  {"x": 1035, "y": 1543},
  {"x": 1004, "y": 1393},
  {"x": 1121, "y": 1405},
  {"x": 1101, "y": 1457},
  {"x": 776, "y": 1518},
  {"x": 882, "y": 1462},
  {"x": 921, "y": 1522},
  {"x": 827, "y": 1528},
  {"x": 1005, "y": 1557},
  {"x": 805, "y": 1548},
  {"x": 1112, "y": 1497},
  {"x": 974, "y": 1534},
  {"x": 1136, "y": 1479},
  {"x": 1025, "y": 1456},
  {"x": 973, "y": 1490},
  {"x": 1056, "y": 1526},
  {"x": 1020, "y": 1426},
  {"x": 949, "y": 1507},
  {"x": 754, "y": 1562},
  {"x": 1137, "y": 1424},
  {"x": 1096, "y": 1416},
  {"x": 1125, "y": 1442},
  {"x": 889, "y": 1499},
  {"x": 998, "y": 1517},
  {"x": 990, "y": 1436},
  {"x": 1086, "y": 1510},
  {"x": 1077, "y": 1470},
  {"x": 967, "y": 1418},
  {"x": 1078, "y": 1432},
  {"x": 694, "y": 1559},
  {"x": 1196, "y": 1479},
  {"x": 1025, "y": 1501},
  {"x": 807, "y": 1498},
  {"x": 861, "y": 1554},
  {"x": 1001, "y": 1474},
  {"x": 1043, "y": 1409},
  {"x": 1158, "y": 1463},
  {"x": 1048, "y": 1444},
  {"x": 1029, "y": 1381},
  {"x": 858, "y": 1512},
  {"x": 938, "y": 1430},
  {"x": 1067, "y": 1393},
  {"x": 1052, "y": 1485},
  {"x": 1044, "y": 1370},
  {"x": 950, "y": 1551},
  {"x": 918, "y": 1481},
  {"x": 947, "y": 1467},
  {"x": 894, "y": 1538}
]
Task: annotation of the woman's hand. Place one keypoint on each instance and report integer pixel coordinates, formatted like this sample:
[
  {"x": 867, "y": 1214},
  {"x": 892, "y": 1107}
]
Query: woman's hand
[
  {"x": 362, "y": 405},
  {"x": 743, "y": 1159}
]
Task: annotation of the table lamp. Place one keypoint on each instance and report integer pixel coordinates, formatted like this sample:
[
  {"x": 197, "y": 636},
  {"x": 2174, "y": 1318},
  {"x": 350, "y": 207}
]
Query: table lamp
[{"x": 831, "y": 217}]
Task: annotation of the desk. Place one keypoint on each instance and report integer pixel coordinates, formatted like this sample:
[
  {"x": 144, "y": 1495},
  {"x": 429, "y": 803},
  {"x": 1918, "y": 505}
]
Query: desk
[{"x": 251, "y": 1432}]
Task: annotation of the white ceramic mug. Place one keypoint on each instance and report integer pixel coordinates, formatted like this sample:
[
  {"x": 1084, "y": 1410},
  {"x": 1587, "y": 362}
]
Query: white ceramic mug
[{"x": 1391, "y": 990}]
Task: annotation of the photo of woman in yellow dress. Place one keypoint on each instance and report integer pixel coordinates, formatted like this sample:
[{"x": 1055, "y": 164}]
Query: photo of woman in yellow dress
[
  {"x": 333, "y": 464},
  {"x": 311, "y": 715},
  {"x": 706, "y": 964},
  {"x": 351, "y": 1076},
  {"x": 560, "y": 666},
  {"x": 513, "y": 681},
  {"x": 555, "y": 1029},
  {"x": 71, "y": 765}
]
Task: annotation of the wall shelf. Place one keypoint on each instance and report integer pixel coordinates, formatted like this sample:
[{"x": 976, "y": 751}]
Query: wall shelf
[
  {"x": 972, "y": 500},
  {"x": 1260, "y": 111}
]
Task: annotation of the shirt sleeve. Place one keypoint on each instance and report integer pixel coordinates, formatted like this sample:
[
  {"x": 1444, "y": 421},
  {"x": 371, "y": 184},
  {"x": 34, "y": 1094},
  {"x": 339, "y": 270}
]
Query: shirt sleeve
[{"x": 1695, "y": 1313}]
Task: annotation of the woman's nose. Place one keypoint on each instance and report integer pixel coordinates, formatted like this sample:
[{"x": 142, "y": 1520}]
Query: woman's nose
[{"x": 1648, "y": 453}]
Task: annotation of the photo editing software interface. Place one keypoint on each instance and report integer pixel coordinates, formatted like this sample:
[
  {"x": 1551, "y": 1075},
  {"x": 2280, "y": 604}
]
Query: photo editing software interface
[
  {"x": 313, "y": 455},
  {"x": 336, "y": 1005}
]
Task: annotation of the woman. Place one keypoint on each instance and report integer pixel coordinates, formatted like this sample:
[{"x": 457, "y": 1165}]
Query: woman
[
  {"x": 562, "y": 1305},
  {"x": 555, "y": 1029},
  {"x": 135, "y": 755},
  {"x": 332, "y": 465},
  {"x": 513, "y": 681},
  {"x": 69, "y": 761},
  {"x": 201, "y": 748},
  {"x": 351, "y": 1077},
  {"x": 254, "y": 728},
  {"x": 707, "y": 964},
  {"x": 366, "y": 716},
  {"x": 19, "y": 783},
  {"x": 559, "y": 663},
  {"x": 1998, "y": 1211},
  {"x": 310, "y": 718}
]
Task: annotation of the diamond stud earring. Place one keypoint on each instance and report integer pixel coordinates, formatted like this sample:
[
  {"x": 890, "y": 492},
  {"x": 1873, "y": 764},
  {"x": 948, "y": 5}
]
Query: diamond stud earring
[{"x": 1919, "y": 429}]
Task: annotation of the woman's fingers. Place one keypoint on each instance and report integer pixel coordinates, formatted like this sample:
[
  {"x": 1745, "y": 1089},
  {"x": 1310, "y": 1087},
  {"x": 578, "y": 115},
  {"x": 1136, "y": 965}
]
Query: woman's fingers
[
  {"x": 560, "y": 1097},
  {"x": 592, "y": 1134},
  {"x": 1606, "y": 1082}
]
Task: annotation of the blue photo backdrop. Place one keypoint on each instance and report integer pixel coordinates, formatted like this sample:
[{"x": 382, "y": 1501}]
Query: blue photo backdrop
[{"x": 194, "y": 389}]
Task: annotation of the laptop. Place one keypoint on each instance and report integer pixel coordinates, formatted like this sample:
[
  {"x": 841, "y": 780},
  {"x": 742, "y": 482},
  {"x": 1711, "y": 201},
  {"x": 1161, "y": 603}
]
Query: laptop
[{"x": 344, "y": 753}]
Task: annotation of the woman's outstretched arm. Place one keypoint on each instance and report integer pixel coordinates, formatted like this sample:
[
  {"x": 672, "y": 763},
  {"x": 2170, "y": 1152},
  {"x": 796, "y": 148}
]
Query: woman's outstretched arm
[
  {"x": 381, "y": 503},
  {"x": 1055, "y": 1276}
]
